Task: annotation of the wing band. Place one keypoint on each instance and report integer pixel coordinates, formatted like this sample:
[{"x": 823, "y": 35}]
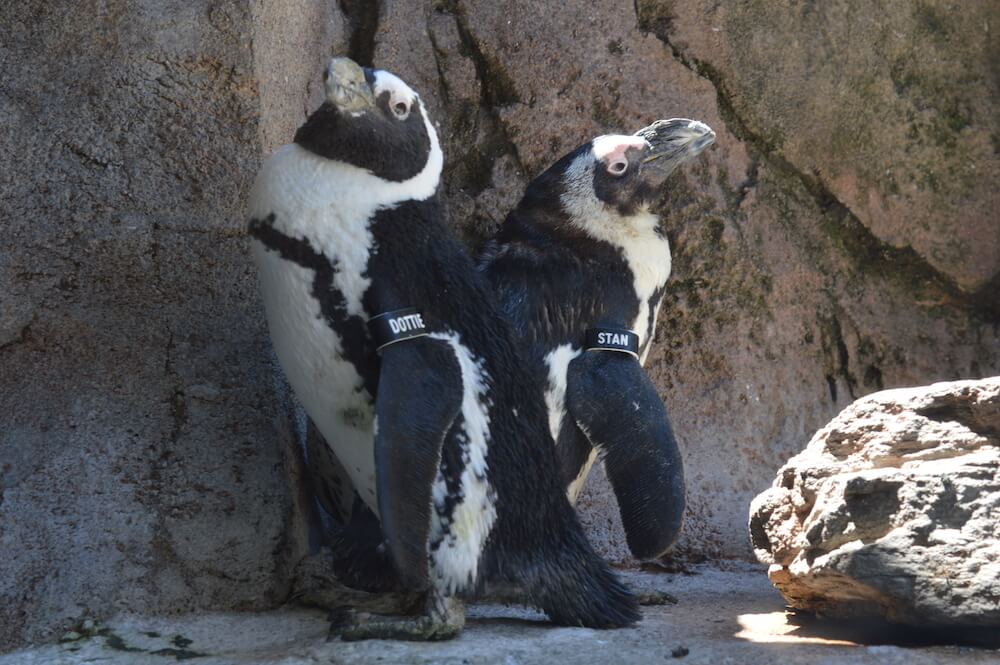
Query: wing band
[
  {"x": 612, "y": 339},
  {"x": 396, "y": 326}
]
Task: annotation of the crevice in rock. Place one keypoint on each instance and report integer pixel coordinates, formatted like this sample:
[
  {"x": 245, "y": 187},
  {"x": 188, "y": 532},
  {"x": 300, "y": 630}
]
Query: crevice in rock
[
  {"x": 443, "y": 88},
  {"x": 901, "y": 265},
  {"x": 86, "y": 157},
  {"x": 758, "y": 533},
  {"x": 832, "y": 341},
  {"x": 496, "y": 87},
  {"x": 362, "y": 20},
  {"x": 160, "y": 543},
  {"x": 302, "y": 512},
  {"x": 873, "y": 378},
  {"x": 831, "y": 384},
  {"x": 23, "y": 336},
  {"x": 871, "y": 503},
  {"x": 960, "y": 413}
]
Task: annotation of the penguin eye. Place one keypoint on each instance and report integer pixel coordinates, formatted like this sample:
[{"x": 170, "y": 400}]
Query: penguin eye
[
  {"x": 618, "y": 167},
  {"x": 401, "y": 110}
]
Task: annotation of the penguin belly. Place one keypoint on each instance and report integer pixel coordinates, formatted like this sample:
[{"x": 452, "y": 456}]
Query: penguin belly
[{"x": 310, "y": 352}]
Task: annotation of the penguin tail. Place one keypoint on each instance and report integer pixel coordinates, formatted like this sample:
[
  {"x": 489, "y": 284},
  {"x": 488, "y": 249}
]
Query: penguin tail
[{"x": 575, "y": 587}]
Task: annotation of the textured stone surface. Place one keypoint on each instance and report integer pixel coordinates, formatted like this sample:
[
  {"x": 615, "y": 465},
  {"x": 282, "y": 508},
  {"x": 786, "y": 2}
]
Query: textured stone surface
[
  {"x": 146, "y": 440},
  {"x": 145, "y": 454},
  {"x": 720, "y": 617},
  {"x": 892, "y": 510},
  {"x": 784, "y": 306},
  {"x": 888, "y": 106}
]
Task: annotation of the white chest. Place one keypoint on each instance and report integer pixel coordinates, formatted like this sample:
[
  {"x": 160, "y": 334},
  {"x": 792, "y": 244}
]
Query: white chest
[
  {"x": 648, "y": 257},
  {"x": 644, "y": 249},
  {"x": 329, "y": 205},
  {"x": 311, "y": 354}
]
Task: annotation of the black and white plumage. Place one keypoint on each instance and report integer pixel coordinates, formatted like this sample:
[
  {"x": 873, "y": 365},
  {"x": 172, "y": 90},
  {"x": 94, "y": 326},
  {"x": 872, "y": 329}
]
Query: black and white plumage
[
  {"x": 582, "y": 249},
  {"x": 438, "y": 435}
]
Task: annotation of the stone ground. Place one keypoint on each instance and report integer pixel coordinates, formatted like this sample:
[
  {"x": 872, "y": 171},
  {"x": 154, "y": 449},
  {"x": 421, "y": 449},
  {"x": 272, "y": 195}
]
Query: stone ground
[{"x": 730, "y": 615}]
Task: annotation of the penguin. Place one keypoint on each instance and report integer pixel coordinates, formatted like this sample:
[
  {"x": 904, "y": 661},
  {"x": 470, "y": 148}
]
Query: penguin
[
  {"x": 391, "y": 340},
  {"x": 580, "y": 268}
]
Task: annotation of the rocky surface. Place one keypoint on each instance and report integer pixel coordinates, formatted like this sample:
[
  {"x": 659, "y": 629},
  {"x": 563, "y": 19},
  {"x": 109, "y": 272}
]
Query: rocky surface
[
  {"x": 147, "y": 442},
  {"x": 888, "y": 108},
  {"x": 892, "y": 510},
  {"x": 786, "y": 301},
  {"x": 146, "y": 456},
  {"x": 720, "y": 617}
]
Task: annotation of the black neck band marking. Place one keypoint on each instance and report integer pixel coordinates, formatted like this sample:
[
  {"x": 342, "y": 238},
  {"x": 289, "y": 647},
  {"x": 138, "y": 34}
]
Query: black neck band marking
[
  {"x": 612, "y": 339},
  {"x": 395, "y": 326},
  {"x": 356, "y": 347}
]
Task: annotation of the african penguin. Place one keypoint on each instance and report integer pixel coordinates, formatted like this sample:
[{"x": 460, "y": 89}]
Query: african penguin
[
  {"x": 392, "y": 342},
  {"x": 581, "y": 263}
]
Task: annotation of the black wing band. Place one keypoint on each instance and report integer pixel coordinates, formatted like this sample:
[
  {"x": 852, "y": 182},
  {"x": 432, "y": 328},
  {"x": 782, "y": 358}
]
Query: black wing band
[
  {"x": 612, "y": 339},
  {"x": 396, "y": 326}
]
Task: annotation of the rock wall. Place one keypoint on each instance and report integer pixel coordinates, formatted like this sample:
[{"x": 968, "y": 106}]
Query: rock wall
[
  {"x": 145, "y": 445},
  {"x": 840, "y": 238}
]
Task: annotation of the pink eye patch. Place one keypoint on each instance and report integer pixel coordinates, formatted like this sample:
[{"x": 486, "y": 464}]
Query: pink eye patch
[{"x": 612, "y": 147}]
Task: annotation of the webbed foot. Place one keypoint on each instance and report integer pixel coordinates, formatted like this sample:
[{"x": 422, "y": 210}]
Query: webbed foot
[
  {"x": 443, "y": 619},
  {"x": 654, "y": 597},
  {"x": 316, "y": 586}
]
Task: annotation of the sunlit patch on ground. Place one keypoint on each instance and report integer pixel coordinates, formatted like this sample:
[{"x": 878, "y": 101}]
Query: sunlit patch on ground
[{"x": 775, "y": 627}]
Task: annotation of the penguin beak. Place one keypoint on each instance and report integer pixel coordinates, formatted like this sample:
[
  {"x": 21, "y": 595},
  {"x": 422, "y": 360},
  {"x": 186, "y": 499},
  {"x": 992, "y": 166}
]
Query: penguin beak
[
  {"x": 346, "y": 86},
  {"x": 673, "y": 142}
]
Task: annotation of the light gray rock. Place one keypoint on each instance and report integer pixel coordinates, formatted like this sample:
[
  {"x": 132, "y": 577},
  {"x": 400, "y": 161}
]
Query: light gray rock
[{"x": 893, "y": 509}]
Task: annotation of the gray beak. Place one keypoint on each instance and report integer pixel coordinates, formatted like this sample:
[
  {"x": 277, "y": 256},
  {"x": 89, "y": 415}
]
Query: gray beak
[
  {"x": 346, "y": 87},
  {"x": 675, "y": 141}
]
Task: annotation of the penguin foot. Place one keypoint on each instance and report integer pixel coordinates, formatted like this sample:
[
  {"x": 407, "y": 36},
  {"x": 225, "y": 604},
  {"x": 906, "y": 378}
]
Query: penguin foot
[
  {"x": 335, "y": 599},
  {"x": 653, "y": 597},
  {"x": 443, "y": 619},
  {"x": 315, "y": 585},
  {"x": 504, "y": 594}
]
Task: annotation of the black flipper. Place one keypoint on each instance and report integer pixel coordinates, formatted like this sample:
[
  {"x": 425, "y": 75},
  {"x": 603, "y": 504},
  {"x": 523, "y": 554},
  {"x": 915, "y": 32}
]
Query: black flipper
[
  {"x": 419, "y": 397},
  {"x": 616, "y": 405}
]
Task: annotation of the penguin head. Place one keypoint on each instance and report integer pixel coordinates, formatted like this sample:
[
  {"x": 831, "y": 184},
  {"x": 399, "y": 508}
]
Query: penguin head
[
  {"x": 372, "y": 120},
  {"x": 605, "y": 187}
]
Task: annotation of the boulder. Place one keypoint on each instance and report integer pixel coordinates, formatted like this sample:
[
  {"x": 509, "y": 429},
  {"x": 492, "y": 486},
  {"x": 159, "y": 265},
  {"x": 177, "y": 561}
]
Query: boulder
[{"x": 892, "y": 510}]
